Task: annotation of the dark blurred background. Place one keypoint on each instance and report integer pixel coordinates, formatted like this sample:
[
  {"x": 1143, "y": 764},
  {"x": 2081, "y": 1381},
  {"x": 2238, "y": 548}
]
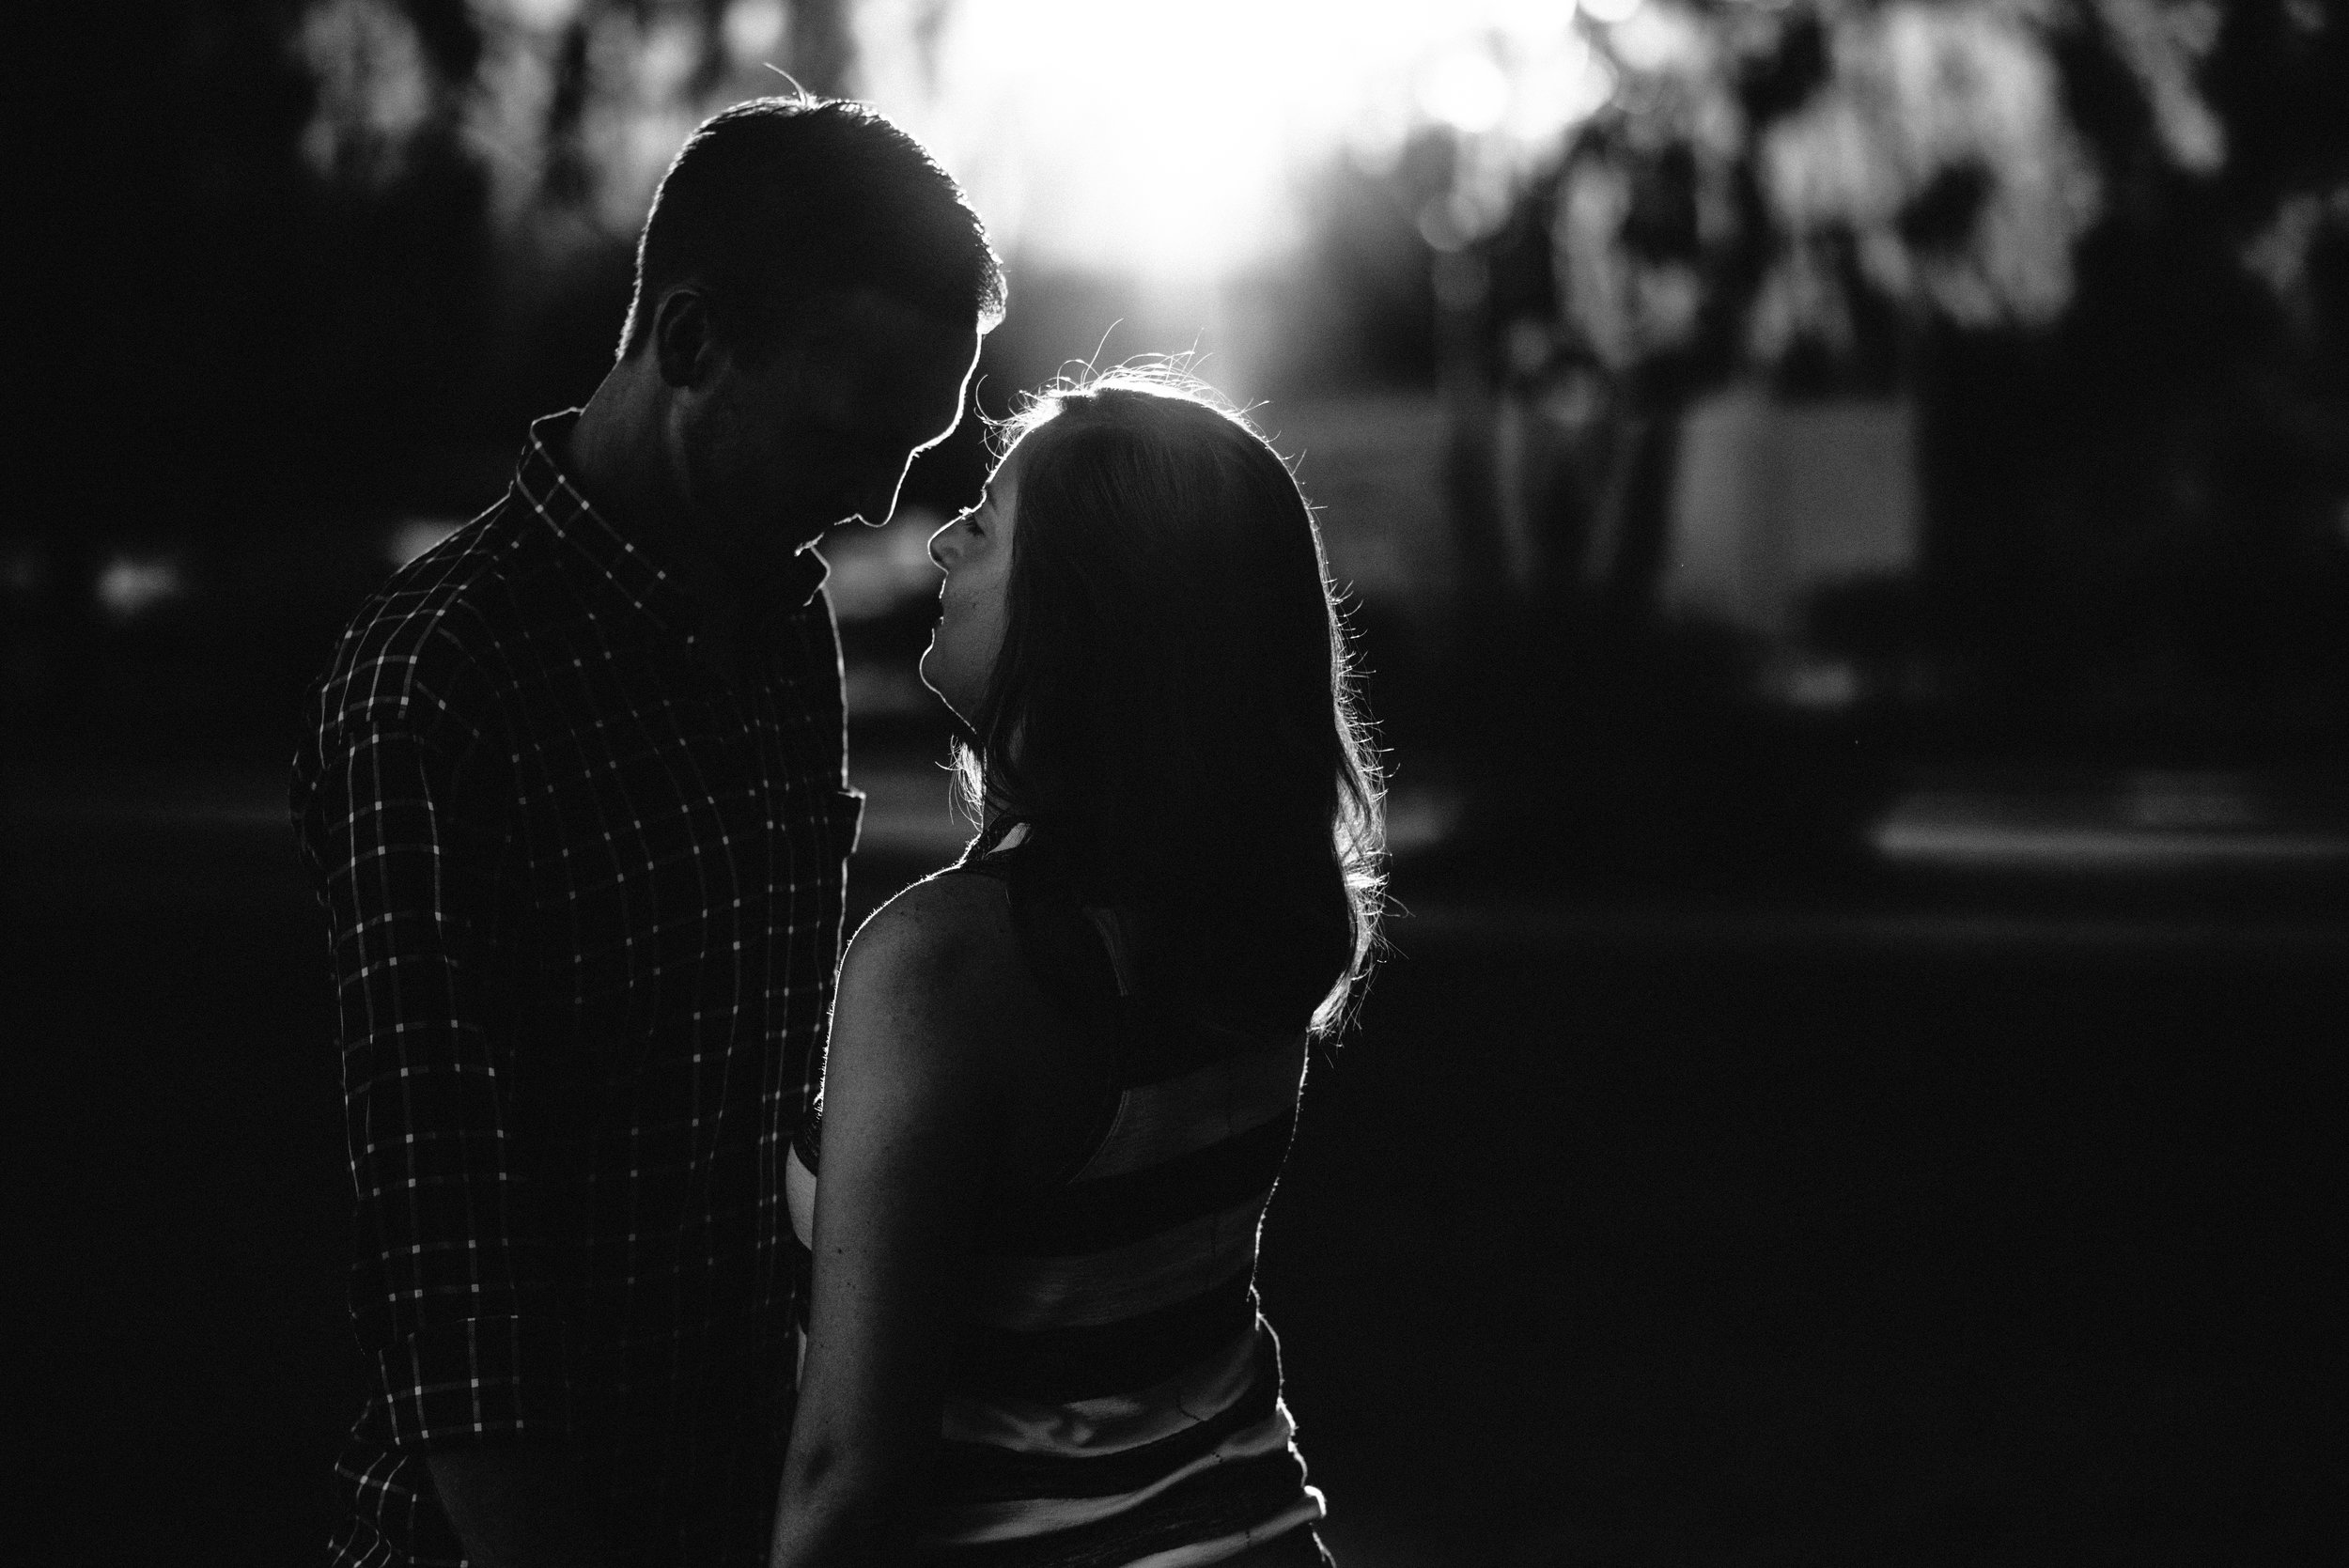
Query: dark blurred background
[{"x": 1845, "y": 509}]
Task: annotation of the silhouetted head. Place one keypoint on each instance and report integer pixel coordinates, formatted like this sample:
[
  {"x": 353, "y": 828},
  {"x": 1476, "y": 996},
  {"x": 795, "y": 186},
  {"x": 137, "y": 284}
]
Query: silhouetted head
[
  {"x": 810, "y": 291},
  {"x": 775, "y": 203},
  {"x": 1139, "y": 631}
]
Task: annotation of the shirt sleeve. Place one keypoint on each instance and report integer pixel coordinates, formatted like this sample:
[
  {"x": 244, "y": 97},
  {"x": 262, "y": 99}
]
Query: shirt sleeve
[{"x": 453, "y": 1283}]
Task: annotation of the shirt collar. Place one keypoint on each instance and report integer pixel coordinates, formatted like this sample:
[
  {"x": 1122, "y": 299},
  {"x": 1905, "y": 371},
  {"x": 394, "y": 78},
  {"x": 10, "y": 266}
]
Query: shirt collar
[{"x": 546, "y": 488}]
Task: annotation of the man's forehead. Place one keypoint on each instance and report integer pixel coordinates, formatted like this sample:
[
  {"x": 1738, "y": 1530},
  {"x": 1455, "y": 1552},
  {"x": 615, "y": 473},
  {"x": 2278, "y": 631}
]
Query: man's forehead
[
  {"x": 867, "y": 321},
  {"x": 894, "y": 365}
]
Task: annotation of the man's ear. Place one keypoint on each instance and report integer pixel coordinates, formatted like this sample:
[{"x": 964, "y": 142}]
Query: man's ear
[{"x": 684, "y": 346}]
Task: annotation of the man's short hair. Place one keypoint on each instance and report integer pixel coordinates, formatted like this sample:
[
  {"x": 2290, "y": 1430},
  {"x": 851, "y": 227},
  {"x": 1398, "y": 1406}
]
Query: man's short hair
[{"x": 778, "y": 198}]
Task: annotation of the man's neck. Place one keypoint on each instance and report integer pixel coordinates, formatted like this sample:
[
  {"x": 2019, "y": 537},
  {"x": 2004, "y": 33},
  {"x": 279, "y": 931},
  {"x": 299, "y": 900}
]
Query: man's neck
[{"x": 617, "y": 460}]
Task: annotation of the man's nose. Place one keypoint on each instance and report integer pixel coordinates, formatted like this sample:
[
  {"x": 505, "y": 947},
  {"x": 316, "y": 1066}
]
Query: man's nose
[
  {"x": 879, "y": 506},
  {"x": 880, "y": 500}
]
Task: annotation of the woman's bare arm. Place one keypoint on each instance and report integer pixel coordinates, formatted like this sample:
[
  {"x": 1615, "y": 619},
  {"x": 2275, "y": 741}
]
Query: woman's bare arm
[{"x": 930, "y": 1007}]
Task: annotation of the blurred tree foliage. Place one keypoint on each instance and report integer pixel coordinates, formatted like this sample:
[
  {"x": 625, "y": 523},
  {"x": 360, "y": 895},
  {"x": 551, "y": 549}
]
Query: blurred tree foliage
[
  {"x": 2097, "y": 245},
  {"x": 2100, "y": 244}
]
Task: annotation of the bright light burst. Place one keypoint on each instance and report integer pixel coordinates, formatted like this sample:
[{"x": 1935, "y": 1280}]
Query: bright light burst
[
  {"x": 1466, "y": 89},
  {"x": 1164, "y": 138}
]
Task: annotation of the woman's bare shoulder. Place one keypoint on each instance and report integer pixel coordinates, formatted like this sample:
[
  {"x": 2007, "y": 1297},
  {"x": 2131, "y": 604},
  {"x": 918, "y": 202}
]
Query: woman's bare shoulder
[
  {"x": 950, "y": 918},
  {"x": 948, "y": 940},
  {"x": 936, "y": 997}
]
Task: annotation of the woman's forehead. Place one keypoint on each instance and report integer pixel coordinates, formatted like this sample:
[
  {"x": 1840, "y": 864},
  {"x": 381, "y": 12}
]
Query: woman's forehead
[{"x": 1004, "y": 478}]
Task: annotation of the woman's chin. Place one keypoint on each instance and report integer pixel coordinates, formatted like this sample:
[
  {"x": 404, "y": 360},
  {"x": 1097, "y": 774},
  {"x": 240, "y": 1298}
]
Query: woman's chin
[{"x": 929, "y": 682}]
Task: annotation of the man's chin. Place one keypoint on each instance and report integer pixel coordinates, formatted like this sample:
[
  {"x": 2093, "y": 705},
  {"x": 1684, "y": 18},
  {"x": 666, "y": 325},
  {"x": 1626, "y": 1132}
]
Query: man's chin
[
  {"x": 846, "y": 519},
  {"x": 775, "y": 553}
]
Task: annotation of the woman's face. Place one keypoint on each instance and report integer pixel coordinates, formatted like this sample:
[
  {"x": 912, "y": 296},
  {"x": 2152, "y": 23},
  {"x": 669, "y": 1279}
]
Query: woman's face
[{"x": 974, "y": 552}]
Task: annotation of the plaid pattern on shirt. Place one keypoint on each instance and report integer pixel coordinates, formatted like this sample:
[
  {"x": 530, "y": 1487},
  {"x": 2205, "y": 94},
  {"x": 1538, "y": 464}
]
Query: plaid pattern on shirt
[{"x": 583, "y": 892}]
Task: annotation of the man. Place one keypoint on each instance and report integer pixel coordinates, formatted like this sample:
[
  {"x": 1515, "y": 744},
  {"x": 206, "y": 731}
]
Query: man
[{"x": 577, "y": 810}]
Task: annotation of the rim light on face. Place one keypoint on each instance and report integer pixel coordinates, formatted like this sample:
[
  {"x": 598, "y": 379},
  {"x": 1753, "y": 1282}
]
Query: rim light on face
[{"x": 973, "y": 555}]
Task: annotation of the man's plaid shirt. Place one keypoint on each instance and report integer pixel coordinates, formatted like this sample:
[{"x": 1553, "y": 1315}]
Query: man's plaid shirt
[{"x": 584, "y": 889}]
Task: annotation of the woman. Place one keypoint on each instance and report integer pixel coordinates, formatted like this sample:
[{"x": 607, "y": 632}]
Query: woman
[{"x": 1063, "y": 1076}]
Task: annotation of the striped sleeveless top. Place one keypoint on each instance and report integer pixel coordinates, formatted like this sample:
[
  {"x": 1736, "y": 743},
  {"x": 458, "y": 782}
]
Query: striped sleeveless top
[{"x": 1114, "y": 1395}]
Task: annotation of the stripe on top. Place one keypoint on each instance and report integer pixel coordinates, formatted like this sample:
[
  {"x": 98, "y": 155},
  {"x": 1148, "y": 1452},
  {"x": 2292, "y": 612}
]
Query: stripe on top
[
  {"x": 1019, "y": 1459},
  {"x": 1159, "y": 1121},
  {"x": 1190, "y": 1522},
  {"x": 1078, "y": 1292},
  {"x": 1071, "y": 1362},
  {"x": 1109, "y": 1423},
  {"x": 1113, "y": 1395},
  {"x": 1263, "y": 1448},
  {"x": 1088, "y": 1215}
]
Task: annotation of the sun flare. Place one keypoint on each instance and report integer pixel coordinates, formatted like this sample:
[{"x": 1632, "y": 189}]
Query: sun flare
[{"x": 1165, "y": 139}]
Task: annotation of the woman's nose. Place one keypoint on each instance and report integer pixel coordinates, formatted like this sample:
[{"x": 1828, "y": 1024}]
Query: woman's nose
[{"x": 941, "y": 543}]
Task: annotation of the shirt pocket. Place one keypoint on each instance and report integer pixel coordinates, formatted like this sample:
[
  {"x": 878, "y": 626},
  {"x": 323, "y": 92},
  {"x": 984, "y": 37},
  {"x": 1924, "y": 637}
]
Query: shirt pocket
[{"x": 843, "y": 822}]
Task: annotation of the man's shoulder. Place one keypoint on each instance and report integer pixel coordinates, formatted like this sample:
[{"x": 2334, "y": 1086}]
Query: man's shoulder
[{"x": 438, "y": 623}]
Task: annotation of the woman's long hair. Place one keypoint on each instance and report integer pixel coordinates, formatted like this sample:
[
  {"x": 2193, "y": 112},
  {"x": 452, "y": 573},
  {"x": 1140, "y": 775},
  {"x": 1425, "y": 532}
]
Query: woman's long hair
[{"x": 1172, "y": 709}]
